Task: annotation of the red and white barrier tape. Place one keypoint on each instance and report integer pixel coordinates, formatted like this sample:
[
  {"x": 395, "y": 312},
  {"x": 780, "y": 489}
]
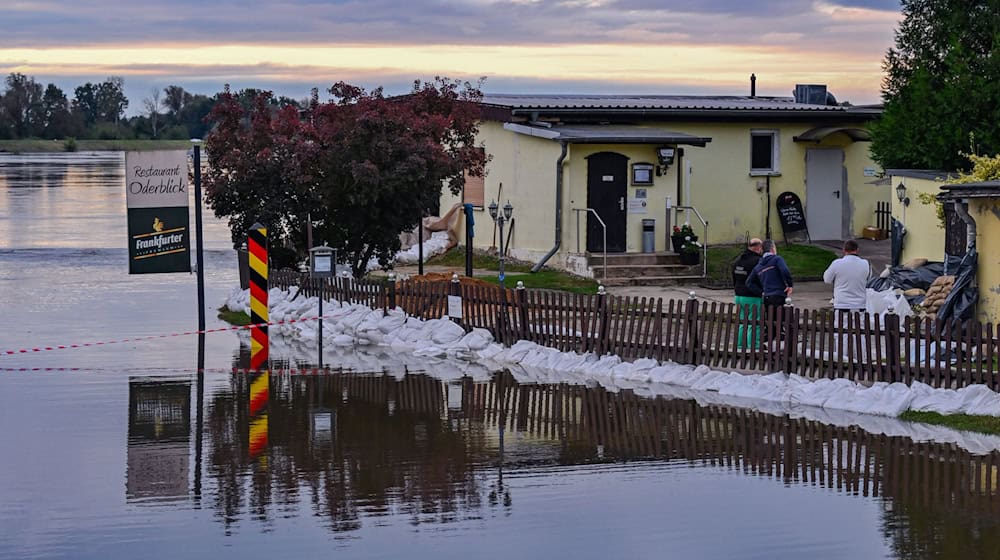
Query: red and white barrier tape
[
  {"x": 155, "y": 336},
  {"x": 279, "y": 371}
]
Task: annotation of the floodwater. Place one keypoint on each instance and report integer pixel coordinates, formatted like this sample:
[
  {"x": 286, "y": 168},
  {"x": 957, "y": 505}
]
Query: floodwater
[{"x": 124, "y": 450}]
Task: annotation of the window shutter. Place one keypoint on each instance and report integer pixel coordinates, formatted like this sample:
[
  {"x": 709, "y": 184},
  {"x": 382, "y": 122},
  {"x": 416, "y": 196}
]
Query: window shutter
[{"x": 474, "y": 190}]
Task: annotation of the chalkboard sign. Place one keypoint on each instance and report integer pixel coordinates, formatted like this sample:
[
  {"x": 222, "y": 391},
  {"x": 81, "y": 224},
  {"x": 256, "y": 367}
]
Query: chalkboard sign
[{"x": 791, "y": 214}]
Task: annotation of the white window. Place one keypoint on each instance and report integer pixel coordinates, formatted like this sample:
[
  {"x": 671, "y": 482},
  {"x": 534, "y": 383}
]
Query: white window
[{"x": 764, "y": 153}]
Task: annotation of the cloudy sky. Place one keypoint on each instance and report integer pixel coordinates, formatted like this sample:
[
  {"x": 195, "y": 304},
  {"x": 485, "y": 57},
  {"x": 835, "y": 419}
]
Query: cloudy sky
[{"x": 531, "y": 46}]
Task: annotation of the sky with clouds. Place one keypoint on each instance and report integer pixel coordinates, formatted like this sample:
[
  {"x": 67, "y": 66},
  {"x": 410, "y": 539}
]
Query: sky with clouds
[{"x": 521, "y": 46}]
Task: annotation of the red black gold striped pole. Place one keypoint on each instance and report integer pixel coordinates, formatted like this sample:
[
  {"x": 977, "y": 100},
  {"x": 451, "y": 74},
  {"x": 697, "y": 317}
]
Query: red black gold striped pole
[
  {"x": 257, "y": 249},
  {"x": 259, "y": 396}
]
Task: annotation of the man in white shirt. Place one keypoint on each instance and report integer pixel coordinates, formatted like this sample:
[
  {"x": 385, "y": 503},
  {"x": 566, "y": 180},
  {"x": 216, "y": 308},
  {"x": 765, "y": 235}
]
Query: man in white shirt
[{"x": 849, "y": 276}]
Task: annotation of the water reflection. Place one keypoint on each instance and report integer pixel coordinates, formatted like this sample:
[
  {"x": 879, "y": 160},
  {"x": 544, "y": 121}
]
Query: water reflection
[
  {"x": 71, "y": 200},
  {"x": 356, "y": 448},
  {"x": 159, "y": 434}
]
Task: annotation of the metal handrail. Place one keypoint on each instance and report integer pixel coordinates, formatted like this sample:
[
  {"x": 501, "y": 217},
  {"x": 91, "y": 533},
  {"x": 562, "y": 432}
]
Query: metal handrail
[
  {"x": 605, "y": 240},
  {"x": 704, "y": 245}
]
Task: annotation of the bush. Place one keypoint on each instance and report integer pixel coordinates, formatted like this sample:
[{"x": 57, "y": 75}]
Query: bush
[
  {"x": 176, "y": 132},
  {"x": 69, "y": 144}
]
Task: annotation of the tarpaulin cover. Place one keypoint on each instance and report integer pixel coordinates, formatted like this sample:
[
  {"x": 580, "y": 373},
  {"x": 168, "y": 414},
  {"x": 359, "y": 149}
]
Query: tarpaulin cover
[
  {"x": 960, "y": 305},
  {"x": 908, "y": 278},
  {"x": 897, "y": 234},
  {"x": 961, "y": 301}
]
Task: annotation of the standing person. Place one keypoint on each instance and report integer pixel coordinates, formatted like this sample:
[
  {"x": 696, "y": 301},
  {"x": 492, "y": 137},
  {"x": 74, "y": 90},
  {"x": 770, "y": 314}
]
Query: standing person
[
  {"x": 747, "y": 297},
  {"x": 772, "y": 277},
  {"x": 849, "y": 276}
]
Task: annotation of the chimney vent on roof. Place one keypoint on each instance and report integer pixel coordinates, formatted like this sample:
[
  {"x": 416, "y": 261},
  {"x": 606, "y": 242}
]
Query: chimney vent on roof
[
  {"x": 810, "y": 94},
  {"x": 753, "y": 85}
]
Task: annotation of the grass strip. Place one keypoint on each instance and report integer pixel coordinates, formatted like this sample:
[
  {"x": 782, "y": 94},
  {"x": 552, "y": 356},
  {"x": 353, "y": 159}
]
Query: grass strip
[
  {"x": 981, "y": 424},
  {"x": 235, "y": 318},
  {"x": 804, "y": 261},
  {"x": 548, "y": 280},
  {"x": 83, "y": 145}
]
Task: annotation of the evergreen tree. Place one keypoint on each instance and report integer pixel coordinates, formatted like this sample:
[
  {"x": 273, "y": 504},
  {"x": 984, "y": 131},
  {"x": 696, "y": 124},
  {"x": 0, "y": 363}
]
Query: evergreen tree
[{"x": 942, "y": 86}]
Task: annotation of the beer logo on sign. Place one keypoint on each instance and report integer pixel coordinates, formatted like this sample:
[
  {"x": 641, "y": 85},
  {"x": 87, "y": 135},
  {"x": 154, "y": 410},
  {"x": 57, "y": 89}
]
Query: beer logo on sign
[{"x": 159, "y": 241}]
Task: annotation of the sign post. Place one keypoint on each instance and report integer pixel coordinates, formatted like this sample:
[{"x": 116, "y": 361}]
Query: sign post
[
  {"x": 791, "y": 215},
  {"x": 257, "y": 246},
  {"x": 324, "y": 262},
  {"x": 199, "y": 237}
]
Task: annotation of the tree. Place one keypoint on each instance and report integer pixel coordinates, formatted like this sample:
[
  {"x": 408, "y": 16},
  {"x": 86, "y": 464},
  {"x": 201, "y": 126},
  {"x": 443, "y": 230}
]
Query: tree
[
  {"x": 174, "y": 99},
  {"x": 55, "y": 113},
  {"x": 363, "y": 165},
  {"x": 942, "y": 84},
  {"x": 85, "y": 103},
  {"x": 152, "y": 106},
  {"x": 111, "y": 100},
  {"x": 22, "y": 105}
]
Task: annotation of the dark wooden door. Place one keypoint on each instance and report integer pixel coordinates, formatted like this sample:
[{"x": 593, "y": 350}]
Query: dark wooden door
[
  {"x": 607, "y": 176},
  {"x": 955, "y": 231}
]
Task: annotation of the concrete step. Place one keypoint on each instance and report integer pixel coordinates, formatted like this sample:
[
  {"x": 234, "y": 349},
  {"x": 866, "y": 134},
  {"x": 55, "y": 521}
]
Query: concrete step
[
  {"x": 615, "y": 259},
  {"x": 642, "y": 270},
  {"x": 653, "y": 280}
]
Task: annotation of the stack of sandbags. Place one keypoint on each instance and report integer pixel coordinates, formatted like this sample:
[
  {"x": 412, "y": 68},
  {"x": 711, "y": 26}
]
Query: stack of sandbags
[{"x": 936, "y": 295}]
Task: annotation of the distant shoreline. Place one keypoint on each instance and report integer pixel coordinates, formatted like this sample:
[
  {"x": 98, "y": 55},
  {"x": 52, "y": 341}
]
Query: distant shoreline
[{"x": 84, "y": 145}]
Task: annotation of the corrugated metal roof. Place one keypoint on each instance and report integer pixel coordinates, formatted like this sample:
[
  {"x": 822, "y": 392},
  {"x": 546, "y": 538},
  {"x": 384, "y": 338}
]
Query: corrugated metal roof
[
  {"x": 608, "y": 134},
  {"x": 656, "y": 102}
]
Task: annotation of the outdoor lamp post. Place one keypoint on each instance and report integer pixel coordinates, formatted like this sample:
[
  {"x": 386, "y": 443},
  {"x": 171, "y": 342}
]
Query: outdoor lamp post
[
  {"x": 323, "y": 260},
  {"x": 501, "y": 217}
]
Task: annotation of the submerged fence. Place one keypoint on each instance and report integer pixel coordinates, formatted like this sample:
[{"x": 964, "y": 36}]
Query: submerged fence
[{"x": 816, "y": 343}]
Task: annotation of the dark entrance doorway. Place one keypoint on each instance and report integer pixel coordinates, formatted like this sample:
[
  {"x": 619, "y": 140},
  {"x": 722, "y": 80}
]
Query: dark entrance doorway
[{"x": 607, "y": 175}]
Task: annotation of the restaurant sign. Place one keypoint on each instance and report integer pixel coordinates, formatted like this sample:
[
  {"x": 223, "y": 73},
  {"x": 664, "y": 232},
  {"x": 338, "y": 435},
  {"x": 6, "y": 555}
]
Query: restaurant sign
[{"x": 156, "y": 195}]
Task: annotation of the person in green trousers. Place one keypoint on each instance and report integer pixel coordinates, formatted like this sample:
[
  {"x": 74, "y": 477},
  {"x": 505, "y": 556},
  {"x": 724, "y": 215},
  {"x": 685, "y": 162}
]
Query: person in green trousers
[{"x": 748, "y": 298}]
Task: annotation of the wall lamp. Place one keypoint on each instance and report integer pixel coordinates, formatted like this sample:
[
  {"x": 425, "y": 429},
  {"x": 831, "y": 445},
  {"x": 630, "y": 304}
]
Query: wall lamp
[
  {"x": 665, "y": 157},
  {"x": 901, "y": 194}
]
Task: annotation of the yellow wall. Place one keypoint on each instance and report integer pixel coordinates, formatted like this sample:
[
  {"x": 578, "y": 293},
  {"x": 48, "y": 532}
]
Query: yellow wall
[
  {"x": 721, "y": 188},
  {"x": 924, "y": 231},
  {"x": 526, "y": 166},
  {"x": 986, "y": 212}
]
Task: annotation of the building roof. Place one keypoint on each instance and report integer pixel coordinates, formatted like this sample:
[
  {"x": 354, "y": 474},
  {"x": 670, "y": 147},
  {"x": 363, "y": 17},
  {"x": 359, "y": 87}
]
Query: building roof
[
  {"x": 926, "y": 174},
  {"x": 982, "y": 189},
  {"x": 607, "y": 134},
  {"x": 697, "y": 104},
  {"x": 820, "y": 132}
]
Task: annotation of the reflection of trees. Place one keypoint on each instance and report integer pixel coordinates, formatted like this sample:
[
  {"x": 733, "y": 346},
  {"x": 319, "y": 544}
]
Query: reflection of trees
[
  {"x": 351, "y": 443},
  {"x": 362, "y": 445}
]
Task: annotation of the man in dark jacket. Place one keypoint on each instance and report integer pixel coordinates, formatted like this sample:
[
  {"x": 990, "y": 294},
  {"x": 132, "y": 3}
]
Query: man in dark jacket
[
  {"x": 747, "y": 297},
  {"x": 772, "y": 277}
]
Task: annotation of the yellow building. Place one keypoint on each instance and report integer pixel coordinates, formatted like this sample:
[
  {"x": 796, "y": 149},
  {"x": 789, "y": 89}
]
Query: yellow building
[
  {"x": 918, "y": 212},
  {"x": 978, "y": 209},
  {"x": 727, "y": 158}
]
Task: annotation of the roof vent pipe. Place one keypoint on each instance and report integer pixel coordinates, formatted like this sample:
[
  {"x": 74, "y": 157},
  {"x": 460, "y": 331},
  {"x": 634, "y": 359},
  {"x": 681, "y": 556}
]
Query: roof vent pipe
[
  {"x": 559, "y": 188},
  {"x": 753, "y": 86}
]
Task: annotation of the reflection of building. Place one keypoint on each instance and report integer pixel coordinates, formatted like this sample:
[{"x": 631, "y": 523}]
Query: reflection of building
[
  {"x": 159, "y": 434},
  {"x": 352, "y": 446}
]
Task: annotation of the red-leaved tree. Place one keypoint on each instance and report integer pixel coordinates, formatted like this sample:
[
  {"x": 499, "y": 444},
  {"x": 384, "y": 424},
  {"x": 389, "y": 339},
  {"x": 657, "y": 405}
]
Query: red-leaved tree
[{"x": 363, "y": 166}]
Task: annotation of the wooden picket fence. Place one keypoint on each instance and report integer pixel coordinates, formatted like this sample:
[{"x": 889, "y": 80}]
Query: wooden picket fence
[{"x": 814, "y": 343}]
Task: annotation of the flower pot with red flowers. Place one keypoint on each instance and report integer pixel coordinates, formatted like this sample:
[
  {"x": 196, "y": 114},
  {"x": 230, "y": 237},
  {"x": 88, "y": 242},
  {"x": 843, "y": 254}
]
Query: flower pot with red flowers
[{"x": 682, "y": 234}]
